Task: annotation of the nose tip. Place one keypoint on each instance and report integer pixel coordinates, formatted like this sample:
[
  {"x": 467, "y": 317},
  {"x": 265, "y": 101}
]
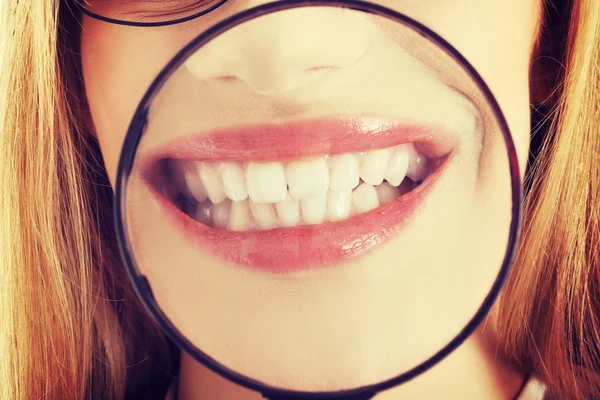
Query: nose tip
[{"x": 285, "y": 50}]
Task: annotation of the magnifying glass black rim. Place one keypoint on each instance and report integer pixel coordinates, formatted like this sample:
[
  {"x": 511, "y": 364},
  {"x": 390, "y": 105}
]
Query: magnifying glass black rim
[{"x": 135, "y": 132}]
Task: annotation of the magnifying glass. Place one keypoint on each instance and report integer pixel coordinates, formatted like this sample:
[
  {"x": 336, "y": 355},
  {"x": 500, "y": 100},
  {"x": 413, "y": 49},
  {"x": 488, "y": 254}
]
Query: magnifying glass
[{"x": 321, "y": 215}]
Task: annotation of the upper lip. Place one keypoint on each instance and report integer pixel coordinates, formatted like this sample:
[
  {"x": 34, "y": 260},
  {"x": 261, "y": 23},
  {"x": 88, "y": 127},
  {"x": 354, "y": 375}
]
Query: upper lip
[{"x": 304, "y": 138}]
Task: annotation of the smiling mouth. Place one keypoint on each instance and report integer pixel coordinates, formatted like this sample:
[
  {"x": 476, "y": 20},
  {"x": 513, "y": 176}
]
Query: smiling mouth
[
  {"x": 246, "y": 195},
  {"x": 289, "y": 197}
]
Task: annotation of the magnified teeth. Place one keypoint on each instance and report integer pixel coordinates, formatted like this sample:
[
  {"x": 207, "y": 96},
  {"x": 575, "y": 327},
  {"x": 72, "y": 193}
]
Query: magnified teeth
[
  {"x": 234, "y": 182},
  {"x": 190, "y": 172},
  {"x": 314, "y": 209},
  {"x": 220, "y": 214},
  {"x": 417, "y": 166},
  {"x": 267, "y": 195},
  {"x": 212, "y": 183},
  {"x": 398, "y": 165},
  {"x": 307, "y": 178},
  {"x": 374, "y": 166},
  {"x": 343, "y": 173},
  {"x": 266, "y": 182},
  {"x": 387, "y": 193},
  {"x": 203, "y": 214},
  {"x": 288, "y": 211},
  {"x": 264, "y": 214},
  {"x": 240, "y": 215},
  {"x": 339, "y": 205},
  {"x": 364, "y": 198}
]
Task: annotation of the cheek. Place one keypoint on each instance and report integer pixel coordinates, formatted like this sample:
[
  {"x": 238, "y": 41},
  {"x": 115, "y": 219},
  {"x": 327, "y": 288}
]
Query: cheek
[
  {"x": 497, "y": 39},
  {"x": 118, "y": 67}
]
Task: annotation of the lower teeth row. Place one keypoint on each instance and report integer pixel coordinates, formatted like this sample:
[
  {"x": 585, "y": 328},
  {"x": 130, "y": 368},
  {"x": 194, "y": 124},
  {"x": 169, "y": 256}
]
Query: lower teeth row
[{"x": 330, "y": 207}]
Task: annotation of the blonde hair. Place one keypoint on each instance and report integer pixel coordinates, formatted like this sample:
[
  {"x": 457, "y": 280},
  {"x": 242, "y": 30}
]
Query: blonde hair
[
  {"x": 550, "y": 307},
  {"x": 71, "y": 326}
]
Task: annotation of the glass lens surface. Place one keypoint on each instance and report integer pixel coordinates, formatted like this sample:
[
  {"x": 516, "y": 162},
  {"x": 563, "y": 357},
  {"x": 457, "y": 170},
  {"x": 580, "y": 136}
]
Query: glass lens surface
[{"x": 322, "y": 210}]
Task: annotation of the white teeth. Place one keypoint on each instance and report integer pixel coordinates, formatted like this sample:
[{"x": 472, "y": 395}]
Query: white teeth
[
  {"x": 339, "y": 205},
  {"x": 364, "y": 198},
  {"x": 344, "y": 173},
  {"x": 220, "y": 214},
  {"x": 374, "y": 165},
  {"x": 266, "y": 182},
  {"x": 234, "y": 182},
  {"x": 239, "y": 217},
  {"x": 396, "y": 170},
  {"x": 264, "y": 214},
  {"x": 212, "y": 184},
  {"x": 417, "y": 165},
  {"x": 307, "y": 178},
  {"x": 190, "y": 171},
  {"x": 255, "y": 195},
  {"x": 387, "y": 193},
  {"x": 288, "y": 211},
  {"x": 203, "y": 214},
  {"x": 314, "y": 209}
]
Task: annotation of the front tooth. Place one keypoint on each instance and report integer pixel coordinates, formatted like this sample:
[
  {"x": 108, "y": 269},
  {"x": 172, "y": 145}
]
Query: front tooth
[
  {"x": 417, "y": 165},
  {"x": 266, "y": 182},
  {"x": 314, "y": 209},
  {"x": 264, "y": 214},
  {"x": 220, "y": 214},
  {"x": 374, "y": 165},
  {"x": 234, "y": 182},
  {"x": 396, "y": 170},
  {"x": 387, "y": 193},
  {"x": 212, "y": 183},
  {"x": 288, "y": 211},
  {"x": 364, "y": 198},
  {"x": 344, "y": 173},
  {"x": 307, "y": 178},
  {"x": 339, "y": 205},
  {"x": 239, "y": 217},
  {"x": 190, "y": 170}
]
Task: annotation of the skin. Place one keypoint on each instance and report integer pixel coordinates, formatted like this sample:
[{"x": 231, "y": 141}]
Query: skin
[{"x": 117, "y": 70}]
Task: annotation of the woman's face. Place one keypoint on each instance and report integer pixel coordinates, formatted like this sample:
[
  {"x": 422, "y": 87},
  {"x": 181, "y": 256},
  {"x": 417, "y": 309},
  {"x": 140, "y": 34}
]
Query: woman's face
[{"x": 337, "y": 170}]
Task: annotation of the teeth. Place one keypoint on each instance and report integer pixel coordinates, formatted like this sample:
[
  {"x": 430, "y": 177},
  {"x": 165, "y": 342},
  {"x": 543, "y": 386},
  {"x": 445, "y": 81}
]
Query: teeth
[
  {"x": 234, "y": 183},
  {"x": 255, "y": 195},
  {"x": 374, "y": 165},
  {"x": 212, "y": 184},
  {"x": 314, "y": 209},
  {"x": 288, "y": 211},
  {"x": 266, "y": 182},
  {"x": 264, "y": 214},
  {"x": 203, "y": 214},
  {"x": 417, "y": 166},
  {"x": 190, "y": 170},
  {"x": 396, "y": 170},
  {"x": 364, "y": 198},
  {"x": 220, "y": 214},
  {"x": 344, "y": 173},
  {"x": 339, "y": 205},
  {"x": 239, "y": 217},
  {"x": 387, "y": 193},
  {"x": 307, "y": 178}
]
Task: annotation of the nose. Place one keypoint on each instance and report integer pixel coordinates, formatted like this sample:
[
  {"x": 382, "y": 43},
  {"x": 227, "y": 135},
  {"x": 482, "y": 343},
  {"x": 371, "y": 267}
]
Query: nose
[{"x": 285, "y": 50}]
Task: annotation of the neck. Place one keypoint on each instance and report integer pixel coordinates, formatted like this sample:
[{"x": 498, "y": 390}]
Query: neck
[{"x": 476, "y": 370}]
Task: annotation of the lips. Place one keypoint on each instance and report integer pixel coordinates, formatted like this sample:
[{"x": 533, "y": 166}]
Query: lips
[{"x": 305, "y": 247}]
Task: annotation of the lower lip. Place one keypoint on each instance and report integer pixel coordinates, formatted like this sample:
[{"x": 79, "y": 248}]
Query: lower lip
[{"x": 307, "y": 247}]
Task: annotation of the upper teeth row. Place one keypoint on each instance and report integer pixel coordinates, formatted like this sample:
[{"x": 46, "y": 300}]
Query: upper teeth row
[{"x": 269, "y": 182}]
